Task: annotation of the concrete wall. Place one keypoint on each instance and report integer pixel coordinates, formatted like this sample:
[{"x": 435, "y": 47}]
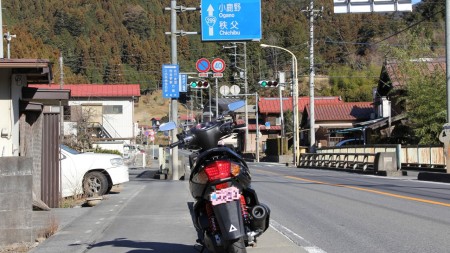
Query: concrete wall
[{"x": 16, "y": 200}]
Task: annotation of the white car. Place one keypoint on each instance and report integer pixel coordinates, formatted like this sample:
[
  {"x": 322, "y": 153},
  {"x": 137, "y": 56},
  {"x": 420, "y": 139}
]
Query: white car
[{"x": 90, "y": 173}]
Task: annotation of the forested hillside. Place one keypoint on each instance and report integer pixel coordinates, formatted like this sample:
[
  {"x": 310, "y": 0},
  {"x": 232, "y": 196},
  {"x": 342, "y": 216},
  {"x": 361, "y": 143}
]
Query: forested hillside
[{"x": 123, "y": 41}]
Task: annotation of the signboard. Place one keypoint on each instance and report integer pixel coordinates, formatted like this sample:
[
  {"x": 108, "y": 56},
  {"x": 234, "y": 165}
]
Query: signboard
[
  {"x": 367, "y": 6},
  {"x": 267, "y": 125},
  {"x": 231, "y": 20},
  {"x": 202, "y": 74},
  {"x": 234, "y": 89},
  {"x": 218, "y": 65},
  {"x": 224, "y": 90},
  {"x": 202, "y": 65},
  {"x": 170, "y": 80},
  {"x": 216, "y": 75},
  {"x": 183, "y": 82}
]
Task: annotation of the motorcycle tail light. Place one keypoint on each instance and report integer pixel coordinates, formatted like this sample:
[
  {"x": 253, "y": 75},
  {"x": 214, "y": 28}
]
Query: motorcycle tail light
[
  {"x": 218, "y": 170},
  {"x": 235, "y": 169}
]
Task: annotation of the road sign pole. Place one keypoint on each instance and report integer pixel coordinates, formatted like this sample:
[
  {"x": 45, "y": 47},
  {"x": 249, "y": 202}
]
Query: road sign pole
[{"x": 217, "y": 98}]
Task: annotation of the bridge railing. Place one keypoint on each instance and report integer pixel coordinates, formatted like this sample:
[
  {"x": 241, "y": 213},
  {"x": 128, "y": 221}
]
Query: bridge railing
[{"x": 415, "y": 158}]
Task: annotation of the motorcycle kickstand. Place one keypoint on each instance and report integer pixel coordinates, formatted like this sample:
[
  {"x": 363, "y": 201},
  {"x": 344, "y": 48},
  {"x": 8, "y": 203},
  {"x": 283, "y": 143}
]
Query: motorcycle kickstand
[{"x": 201, "y": 244}]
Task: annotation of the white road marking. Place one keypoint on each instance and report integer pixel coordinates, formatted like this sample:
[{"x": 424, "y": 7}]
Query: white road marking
[
  {"x": 295, "y": 238},
  {"x": 88, "y": 231}
]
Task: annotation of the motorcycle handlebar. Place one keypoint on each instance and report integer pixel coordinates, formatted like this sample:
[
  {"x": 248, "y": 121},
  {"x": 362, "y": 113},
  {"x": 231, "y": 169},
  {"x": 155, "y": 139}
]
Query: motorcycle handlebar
[
  {"x": 186, "y": 139},
  {"x": 174, "y": 144}
]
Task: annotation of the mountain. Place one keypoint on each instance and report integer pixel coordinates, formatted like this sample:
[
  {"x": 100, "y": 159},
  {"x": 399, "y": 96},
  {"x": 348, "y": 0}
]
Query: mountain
[{"x": 124, "y": 41}]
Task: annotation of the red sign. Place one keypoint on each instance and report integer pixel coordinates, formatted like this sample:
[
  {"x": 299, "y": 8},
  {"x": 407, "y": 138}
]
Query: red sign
[
  {"x": 203, "y": 65},
  {"x": 218, "y": 65}
]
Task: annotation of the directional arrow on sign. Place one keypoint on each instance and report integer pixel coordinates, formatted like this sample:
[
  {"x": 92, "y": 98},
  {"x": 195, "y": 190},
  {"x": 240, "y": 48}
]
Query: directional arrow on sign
[{"x": 210, "y": 10}]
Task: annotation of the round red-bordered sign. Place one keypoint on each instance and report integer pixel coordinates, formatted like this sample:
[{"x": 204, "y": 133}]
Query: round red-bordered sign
[
  {"x": 203, "y": 65},
  {"x": 218, "y": 65}
]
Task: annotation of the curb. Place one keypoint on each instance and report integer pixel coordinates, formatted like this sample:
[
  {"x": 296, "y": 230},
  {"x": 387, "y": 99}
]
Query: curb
[{"x": 434, "y": 176}]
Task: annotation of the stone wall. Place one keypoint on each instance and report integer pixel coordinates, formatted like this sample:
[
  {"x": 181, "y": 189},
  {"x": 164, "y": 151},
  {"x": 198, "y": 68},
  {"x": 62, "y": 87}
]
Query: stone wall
[{"x": 16, "y": 200}]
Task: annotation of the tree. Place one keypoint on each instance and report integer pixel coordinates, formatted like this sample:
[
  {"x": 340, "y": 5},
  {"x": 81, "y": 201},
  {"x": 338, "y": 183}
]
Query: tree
[
  {"x": 423, "y": 98},
  {"x": 426, "y": 104}
]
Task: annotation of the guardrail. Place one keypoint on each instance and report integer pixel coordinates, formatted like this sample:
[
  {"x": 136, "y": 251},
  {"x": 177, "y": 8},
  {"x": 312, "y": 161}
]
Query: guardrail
[{"x": 344, "y": 161}]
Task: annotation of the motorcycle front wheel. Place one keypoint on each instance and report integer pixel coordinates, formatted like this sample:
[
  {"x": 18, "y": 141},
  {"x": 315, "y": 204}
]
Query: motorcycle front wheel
[{"x": 236, "y": 246}]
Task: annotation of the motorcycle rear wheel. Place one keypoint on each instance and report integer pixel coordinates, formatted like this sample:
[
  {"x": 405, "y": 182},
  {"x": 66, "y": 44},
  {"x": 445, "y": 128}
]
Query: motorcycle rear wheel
[{"x": 237, "y": 246}]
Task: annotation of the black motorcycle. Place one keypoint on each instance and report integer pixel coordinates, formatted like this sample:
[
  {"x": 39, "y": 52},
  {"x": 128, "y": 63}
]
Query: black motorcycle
[{"x": 227, "y": 213}]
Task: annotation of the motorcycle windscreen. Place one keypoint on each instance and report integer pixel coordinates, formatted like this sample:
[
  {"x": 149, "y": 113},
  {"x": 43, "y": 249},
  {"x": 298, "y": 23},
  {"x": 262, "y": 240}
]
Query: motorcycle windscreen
[{"x": 229, "y": 216}]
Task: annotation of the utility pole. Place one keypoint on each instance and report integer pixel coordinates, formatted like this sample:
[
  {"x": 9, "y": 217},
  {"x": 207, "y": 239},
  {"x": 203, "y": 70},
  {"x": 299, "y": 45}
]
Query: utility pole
[
  {"x": 312, "y": 14},
  {"x": 61, "y": 86},
  {"x": 173, "y": 53},
  {"x": 1, "y": 31}
]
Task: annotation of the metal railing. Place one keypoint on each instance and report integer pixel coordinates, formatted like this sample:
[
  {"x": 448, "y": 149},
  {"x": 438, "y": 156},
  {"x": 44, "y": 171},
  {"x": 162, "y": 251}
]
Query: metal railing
[{"x": 344, "y": 161}]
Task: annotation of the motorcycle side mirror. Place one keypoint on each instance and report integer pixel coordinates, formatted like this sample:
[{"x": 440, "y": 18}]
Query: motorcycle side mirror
[
  {"x": 167, "y": 126},
  {"x": 236, "y": 105}
]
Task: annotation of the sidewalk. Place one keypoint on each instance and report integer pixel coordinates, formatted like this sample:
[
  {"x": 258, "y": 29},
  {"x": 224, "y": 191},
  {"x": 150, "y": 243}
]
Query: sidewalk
[{"x": 102, "y": 229}]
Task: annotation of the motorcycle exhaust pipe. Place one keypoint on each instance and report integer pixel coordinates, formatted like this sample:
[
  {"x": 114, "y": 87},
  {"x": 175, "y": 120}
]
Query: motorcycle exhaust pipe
[{"x": 260, "y": 214}]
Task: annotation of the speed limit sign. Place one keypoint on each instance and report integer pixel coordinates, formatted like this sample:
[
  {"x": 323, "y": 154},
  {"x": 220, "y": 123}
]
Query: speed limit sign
[{"x": 218, "y": 65}]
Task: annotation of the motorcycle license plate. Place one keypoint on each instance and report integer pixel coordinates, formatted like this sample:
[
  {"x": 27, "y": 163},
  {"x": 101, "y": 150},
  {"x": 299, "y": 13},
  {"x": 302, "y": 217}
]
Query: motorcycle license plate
[{"x": 225, "y": 195}]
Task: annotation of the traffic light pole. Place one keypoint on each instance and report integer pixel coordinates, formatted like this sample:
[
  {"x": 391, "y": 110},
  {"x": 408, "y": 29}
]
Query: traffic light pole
[{"x": 294, "y": 102}]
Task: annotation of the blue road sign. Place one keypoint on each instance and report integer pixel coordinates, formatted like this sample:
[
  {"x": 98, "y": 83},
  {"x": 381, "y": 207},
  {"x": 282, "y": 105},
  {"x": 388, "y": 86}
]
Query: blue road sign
[
  {"x": 183, "y": 83},
  {"x": 267, "y": 125},
  {"x": 170, "y": 80},
  {"x": 231, "y": 20}
]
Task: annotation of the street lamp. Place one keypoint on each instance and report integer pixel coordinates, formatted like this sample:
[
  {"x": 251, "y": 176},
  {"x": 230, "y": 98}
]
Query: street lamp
[{"x": 295, "y": 98}]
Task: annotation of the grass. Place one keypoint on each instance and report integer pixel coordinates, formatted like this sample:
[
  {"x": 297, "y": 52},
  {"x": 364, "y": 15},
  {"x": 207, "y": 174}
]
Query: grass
[{"x": 50, "y": 229}]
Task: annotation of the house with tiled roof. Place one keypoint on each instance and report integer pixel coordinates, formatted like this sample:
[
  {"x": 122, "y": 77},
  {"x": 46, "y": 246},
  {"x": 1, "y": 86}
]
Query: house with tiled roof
[
  {"x": 109, "y": 109},
  {"x": 332, "y": 117},
  {"x": 269, "y": 111}
]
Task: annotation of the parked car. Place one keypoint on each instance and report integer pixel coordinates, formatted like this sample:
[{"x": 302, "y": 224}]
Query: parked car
[
  {"x": 349, "y": 142},
  {"x": 90, "y": 173}
]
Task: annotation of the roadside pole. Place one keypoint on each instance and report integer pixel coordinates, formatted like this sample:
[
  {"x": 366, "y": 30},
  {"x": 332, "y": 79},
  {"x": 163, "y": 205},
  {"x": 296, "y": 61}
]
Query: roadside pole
[{"x": 173, "y": 49}]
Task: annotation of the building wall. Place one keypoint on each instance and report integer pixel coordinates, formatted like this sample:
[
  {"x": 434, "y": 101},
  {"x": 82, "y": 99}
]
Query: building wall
[
  {"x": 9, "y": 113},
  {"x": 118, "y": 125},
  {"x": 252, "y": 142}
]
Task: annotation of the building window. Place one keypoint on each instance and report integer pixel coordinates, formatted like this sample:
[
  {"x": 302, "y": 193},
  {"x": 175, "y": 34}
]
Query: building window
[{"x": 112, "y": 109}]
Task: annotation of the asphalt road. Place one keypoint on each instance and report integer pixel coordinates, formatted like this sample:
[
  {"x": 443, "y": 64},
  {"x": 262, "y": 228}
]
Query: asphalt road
[
  {"x": 312, "y": 211},
  {"x": 330, "y": 211}
]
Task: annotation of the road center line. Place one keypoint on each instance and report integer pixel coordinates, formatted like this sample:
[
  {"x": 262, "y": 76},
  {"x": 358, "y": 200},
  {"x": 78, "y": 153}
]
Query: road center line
[{"x": 373, "y": 191}]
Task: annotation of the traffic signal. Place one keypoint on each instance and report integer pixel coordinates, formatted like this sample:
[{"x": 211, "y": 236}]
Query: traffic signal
[
  {"x": 200, "y": 84},
  {"x": 268, "y": 84}
]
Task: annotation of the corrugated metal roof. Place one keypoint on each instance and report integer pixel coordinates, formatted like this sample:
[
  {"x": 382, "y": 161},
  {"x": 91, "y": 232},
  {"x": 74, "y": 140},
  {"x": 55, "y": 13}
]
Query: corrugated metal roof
[{"x": 97, "y": 90}]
